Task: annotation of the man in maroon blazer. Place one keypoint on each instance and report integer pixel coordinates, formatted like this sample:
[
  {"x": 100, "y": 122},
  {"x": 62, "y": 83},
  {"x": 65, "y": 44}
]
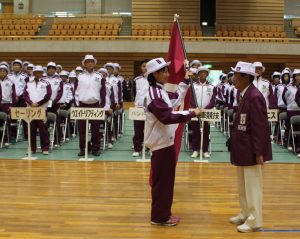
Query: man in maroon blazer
[{"x": 250, "y": 147}]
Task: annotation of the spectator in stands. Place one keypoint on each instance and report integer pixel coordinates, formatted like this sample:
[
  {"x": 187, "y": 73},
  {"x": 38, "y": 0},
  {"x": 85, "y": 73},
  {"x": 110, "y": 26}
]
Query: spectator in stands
[
  {"x": 19, "y": 79},
  {"x": 289, "y": 97},
  {"x": 250, "y": 148},
  {"x": 141, "y": 90},
  {"x": 160, "y": 134},
  {"x": 206, "y": 99},
  {"x": 37, "y": 93},
  {"x": 91, "y": 92},
  {"x": 7, "y": 94},
  {"x": 264, "y": 86}
]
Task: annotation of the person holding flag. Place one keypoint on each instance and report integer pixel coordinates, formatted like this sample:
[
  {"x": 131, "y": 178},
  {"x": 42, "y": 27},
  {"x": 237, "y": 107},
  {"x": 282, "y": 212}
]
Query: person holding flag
[{"x": 161, "y": 120}]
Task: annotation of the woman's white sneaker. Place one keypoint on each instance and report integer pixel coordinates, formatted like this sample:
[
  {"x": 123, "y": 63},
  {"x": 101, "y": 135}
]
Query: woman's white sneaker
[{"x": 195, "y": 154}]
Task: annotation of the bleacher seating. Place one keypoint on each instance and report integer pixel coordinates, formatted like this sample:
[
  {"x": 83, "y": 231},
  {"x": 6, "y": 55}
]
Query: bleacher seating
[
  {"x": 251, "y": 33},
  {"x": 296, "y": 26},
  {"x": 19, "y": 27},
  {"x": 85, "y": 29},
  {"x": 163, "y": 32}
]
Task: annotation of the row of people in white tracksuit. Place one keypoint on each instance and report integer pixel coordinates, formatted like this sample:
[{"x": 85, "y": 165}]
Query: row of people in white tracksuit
[{"x": 63, "y": 89}]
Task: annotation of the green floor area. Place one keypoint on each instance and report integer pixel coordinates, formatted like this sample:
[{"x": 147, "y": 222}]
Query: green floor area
[{"x": 122, "y": 150}]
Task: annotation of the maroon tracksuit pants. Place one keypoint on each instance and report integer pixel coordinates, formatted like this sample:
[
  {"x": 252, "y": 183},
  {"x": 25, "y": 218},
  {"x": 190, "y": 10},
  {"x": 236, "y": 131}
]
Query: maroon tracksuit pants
[
  {"x": 138, "y": 137},
  {"x": 4, "y": 107},
  {"x": 196, "y": 136},
  {"x": 44, "y": 135},
  {"x": 163, "y": 165},
  {"x": 20, "y": 103},
  {"x": 95, "y": 130}
]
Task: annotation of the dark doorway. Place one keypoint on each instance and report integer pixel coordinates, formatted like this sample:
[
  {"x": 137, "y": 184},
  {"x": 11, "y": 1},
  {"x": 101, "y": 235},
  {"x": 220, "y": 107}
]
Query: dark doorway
[{"x": 207, "y": 12}]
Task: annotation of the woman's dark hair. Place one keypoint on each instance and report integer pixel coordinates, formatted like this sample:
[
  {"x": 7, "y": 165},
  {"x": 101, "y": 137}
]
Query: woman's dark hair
[
  {"x": 151, "y": 79},
  {"x": 282, "y": 78}
]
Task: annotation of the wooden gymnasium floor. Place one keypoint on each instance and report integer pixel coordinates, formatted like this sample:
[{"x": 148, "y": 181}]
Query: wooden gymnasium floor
[{"x": 69, "y": 199}]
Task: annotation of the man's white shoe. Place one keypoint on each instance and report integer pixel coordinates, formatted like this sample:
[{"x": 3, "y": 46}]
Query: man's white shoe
[
  {"x": 206, "y": 155},
  {"x": 298, "y": 155},
  {"x": 237, "y": 220},
  {"x": 290, "y": 148},
  {"x": 245, "y": 228},
  {"x": 136, "y": 154},
  {"x": 45, "y": 152},
  {"x": 195, "y": 154},
  {"x": 110, "y": 146}
]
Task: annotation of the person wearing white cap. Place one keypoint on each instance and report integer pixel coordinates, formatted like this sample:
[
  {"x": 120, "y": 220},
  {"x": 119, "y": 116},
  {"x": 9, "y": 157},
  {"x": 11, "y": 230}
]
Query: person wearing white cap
[
  {"x": 29, "y": 69},
  {"x": 141, "y": 88},
  {"x": 19, "y": 78},
  {"x": 206, "y": 98},
  {"x": 57, "y": 90},
  {"x": 66, "y": 98},
  {"x": 6, "y": 64},
  {"x": 59, "y": 68},
  {"x": 195, "y": 64},
  {"x": 73, "y": 82},
  {"x": 78, "y": 70},
  {"x": 110, "y": 106},
  {"x": 161, "y": 120},
  {"x": 264, "y": 86},
  {"x": 114, "y": 81},
  {"x": 291, "y": 96},
  {"x": 250, "y": 147},
  {"x": 37, "y": 93},
  {"x": 220, "y": 100},
  {"x": 120, "y": 95},
  {"x": 229, "y": 89},
  {"x": 7, "y": 95},
  {"x": 91, "y": 92}
]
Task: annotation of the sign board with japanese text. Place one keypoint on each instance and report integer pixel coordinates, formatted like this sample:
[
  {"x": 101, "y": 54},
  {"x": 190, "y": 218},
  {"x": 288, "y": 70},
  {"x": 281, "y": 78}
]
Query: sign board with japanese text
[
  {"x": 272, "y": 115},
  {"x": 28, "y": 114},
  {"x": 87, "y": 113},
  {"x": 137, "y": 114},
  {"x": 212, "y": 115}
]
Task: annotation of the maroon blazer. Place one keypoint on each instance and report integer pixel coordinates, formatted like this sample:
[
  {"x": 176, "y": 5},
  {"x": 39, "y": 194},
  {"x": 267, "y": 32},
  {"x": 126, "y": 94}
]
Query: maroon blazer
[{"x": 250, "y": 134}]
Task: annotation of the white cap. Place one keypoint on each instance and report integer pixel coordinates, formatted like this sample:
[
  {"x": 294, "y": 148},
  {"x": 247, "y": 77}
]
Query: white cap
[
  {"x": 230, "y": 73},
  {"x": 78, "y": 68},
  {"x": 4, "y": 63},
  {"x": 72, "y": 75},
  {"x": 194, "y": 70},
  {"x": 155, "y": 65},
  {"x": 276, "y": 73},
  {"x": 26, "y": 63},
  {"x": 117, "y": 65},
  {"x": 103, "y": 70},
  {"x": 52, "y": 64},
  {"x": 203, "y": 68},
  {"x": 89, "y": 57},
  {"x": 59, "y": 66},
  {"x": 30, "y": 65},
  {"x": 259, "y": 64},
  {"x": 296, "y": 72},
  {"x": 244, "y": 67},
  {"x": 4, "y": 67},
  {"x": 64, "y": 73},
  {"x": 109, "y": 64},
  {"x": 38, "y": 68},
  {"x": 17, "y": 61},
  {"x": 196, "y": 62},
  {"x": 285, "y": 71}
]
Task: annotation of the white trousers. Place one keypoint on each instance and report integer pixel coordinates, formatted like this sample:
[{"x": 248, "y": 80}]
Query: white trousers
[{"x": 250, "y": 187}]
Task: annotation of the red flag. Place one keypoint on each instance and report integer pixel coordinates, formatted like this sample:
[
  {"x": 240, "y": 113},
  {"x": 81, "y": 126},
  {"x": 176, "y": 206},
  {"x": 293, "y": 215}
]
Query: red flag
[{"x": 176, "y": 55}]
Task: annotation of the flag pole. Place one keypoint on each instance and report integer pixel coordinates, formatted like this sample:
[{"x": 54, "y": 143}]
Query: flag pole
[{"x": 176, "y": 17}]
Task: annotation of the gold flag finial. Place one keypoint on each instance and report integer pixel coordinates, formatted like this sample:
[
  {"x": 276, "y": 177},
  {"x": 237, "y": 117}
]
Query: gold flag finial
[{"x": 176, "y": 16}]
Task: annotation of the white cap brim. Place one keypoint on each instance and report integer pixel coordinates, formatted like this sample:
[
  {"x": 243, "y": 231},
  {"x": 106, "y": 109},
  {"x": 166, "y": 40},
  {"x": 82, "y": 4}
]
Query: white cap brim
[{"x": 160, "y": 67}]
